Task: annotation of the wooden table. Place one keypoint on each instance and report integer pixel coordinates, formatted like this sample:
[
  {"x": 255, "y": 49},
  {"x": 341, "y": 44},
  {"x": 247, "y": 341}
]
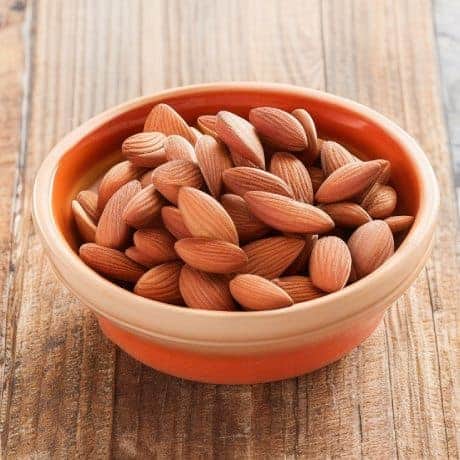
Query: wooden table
[{"x": 66, "y": 391}]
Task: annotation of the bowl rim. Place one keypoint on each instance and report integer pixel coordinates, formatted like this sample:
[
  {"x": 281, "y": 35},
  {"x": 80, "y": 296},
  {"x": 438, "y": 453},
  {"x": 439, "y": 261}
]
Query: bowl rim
[{"x": 54, "y": 241}]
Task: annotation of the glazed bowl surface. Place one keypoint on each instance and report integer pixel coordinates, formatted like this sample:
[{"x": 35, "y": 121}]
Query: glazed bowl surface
[{"x": 236, "y": 347}]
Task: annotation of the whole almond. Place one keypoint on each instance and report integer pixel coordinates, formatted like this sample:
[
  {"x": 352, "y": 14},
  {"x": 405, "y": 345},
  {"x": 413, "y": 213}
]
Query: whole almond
[
  {"x": 305, "y": 119},
  {"x": 300, "y": 264},
  {"x": 399, "y": 223},
  {"x": 248, "y": 226},
  {"x": 241, "y": 137},
  {"x": 347, "y": 181},
  {"x": 145, "y": 149},
  {"x": 370, "y": 245},
  {"x": 294, "y": 173},
  {"x": 239, "y": 160},
  {"x": 161, "y": 283},
  {"x": 178, "y": 148},
  {"x": 156, "y": 243},
  {"x": 269, "y": 257},
  {"x": 86, "y": 226},
  {"x": 110, "y": 262},
  {"x": 213, "y": 159},
  {"x": 144, "y": 208},
  {"x": 166, "y": 120},
  {"x": 278, "y": 128},
  {"x": 256, "y": 293},
  {"x": 380, "y": 202},
  {"x": 204, "y": 216},
  {"x": 172, "y": 220},
  {"x": 333, "y": 156},
  {"x": 205, "y": 291},
  {"x": 207, "y": 124},
  {"x": 300, "y": 288},
  {"x": 146, "y": 178},
  {"x": 140, "y": 257},
  {"x": 287, "y": 215},
  {"x": 330, "y": 264},
  {"x": 242, "y": 179},
  {"x": 347, "y": 214},
  {"x": 88, "y": 201},
  {"x": 212, "y": 256},
  {"x": 171, "y": 176},
  {"x": 316, "y": 176},
  {"x": 112, "y": 231},
  {"x": 117, "y": 176}
]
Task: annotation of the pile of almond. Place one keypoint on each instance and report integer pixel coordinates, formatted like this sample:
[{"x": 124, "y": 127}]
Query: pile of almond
[{"x": 237, "y": 214}]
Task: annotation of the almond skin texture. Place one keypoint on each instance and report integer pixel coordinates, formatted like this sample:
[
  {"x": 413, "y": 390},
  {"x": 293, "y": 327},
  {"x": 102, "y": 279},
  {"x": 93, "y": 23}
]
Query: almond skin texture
[
  {"x": 88, "y": 201},
  {"x": 256, "y": 293},
  {"x": 294, "y": 173},
  {"x": 110, "y": 262},
  {"x": 140, "y": 257},
  {"x": 316, "y": 176},
  {"x": 178, "y": 148},
  {"x": 173, "y": 175},
  {"x": 300, "y": 264},
  {"x": 172, "y": 220},
  {"x": 212, "y": 256},
  {"x": 161, "y": 283},
  {"x": 334, "y": 156},
  {"x": 145, "y": 149},
  {"x": 117, "y": 176},
  {"x": 308, "y": 125},
  {"x": 370, "y": 245},
  {"x": 112, "y": 231},
  {"x": 213, "y": 159},
  {"x": 164, "y": 119},
  {"x": 240, "y": 137},
  {"x": 146, "y": 178},
  {"x": 287, "y": 215},
  {"x": 248, "y": 226},
  {"x": 86, "y": 226},
  {"x": 204, "y": 216},
  {"x": 330, "y": 264},
  {"x": 278, "y": 128},
  {"x": 347, "y": 181},
  {"x": 347, "y": 214},
  {"x": 269, "y": 257},
  {"x": 385, "y": 172},
  {"x": 144, "y": 208},
  {"x": 300, "y": 288},
  {"x": 399, "y": 223},
  {"x": 204, "y": 290},
  {"x": 239, "y": 160},
  {"x": 380, "y": 202},
  {"x": 157, "y": 244},
  {"x": 207, "y": 124},
  {"x": 244, "y": 179}
]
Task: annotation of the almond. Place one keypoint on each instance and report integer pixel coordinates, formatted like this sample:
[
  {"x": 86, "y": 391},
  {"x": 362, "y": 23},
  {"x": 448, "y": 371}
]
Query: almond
[
  {"x": 112, "y": 231},
  {"x": 157, "y": 244},
  {"x": 171, "y": 176},
  {"x": 213, "y": 160},
  {"x": 204, "y": 216},
  {"x": 178, "y": 148},
  {"x": 308, "y": 125},
  {"x": 140, "y": 257},
  {"x": 242, "y": 179},
  {"x": 86, "y": 226},
  {"x": 380, "y": 201},
  {"x": 146, "y": 178},
  {"x": 145, "y": 149},
  {"x": 110, "y": 262},
  {"x": 256, "y": 293},
  {"x": 278, "y": 128},
  {"x": 370, "y": 245},
  {"x": 144, "y": 208},
  {"x": 207, "y": 124},
  {"x": 330, "y": 264},
  {"x": 247, "y": 225},
  {"x": 300, "y": 264},
  {"x": 269, "y": 257},
  {"x": 172, "y": 220},
  {"x": 88, "y": 201},
  {"x": 239, "y": 160},
  {"x": 316, "y": 176},
  {"x": 300, "y": 288},
  {"x": 166, "y": 120},
  {"x": 213, "y": 256},
  {"x": 204, "y": 290},
  {"x": 241, "y": 137},
  {"x": 117, "y": 176},
  {"x": 347, "y": 181},
  {"x": 161, "y": 283},
  {"x": 196, "y": 132},
  {"x": 333, "y": 156},
  {"x": 347, "y": 214},
  {"x": 385, "y": 172},
  {"x": 399, "y": 223},
  {"x": 293, "y": 172},
  {"x": 287, "y": 215}
]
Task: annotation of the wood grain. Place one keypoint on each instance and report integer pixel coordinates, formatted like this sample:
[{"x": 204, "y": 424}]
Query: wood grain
[{"x": 66, "y": 391}]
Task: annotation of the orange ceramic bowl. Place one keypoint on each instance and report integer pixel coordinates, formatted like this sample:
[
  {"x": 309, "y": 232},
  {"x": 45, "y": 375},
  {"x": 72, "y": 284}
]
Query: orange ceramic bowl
[{"x": 237, "y": 347}]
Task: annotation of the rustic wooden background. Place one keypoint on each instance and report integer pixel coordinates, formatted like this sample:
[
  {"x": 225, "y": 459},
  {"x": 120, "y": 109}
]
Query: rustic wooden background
[{"x": 66, "y": 391}]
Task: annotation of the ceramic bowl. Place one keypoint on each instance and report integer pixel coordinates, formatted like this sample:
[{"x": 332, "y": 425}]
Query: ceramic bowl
[{"x": 237, "y": 347}]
